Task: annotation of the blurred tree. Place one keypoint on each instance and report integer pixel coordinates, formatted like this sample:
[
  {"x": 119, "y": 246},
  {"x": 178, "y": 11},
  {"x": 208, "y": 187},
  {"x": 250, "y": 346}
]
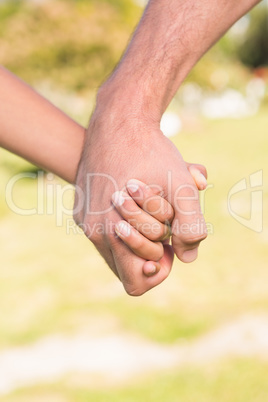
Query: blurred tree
[
  {"x": 74, "y": 43},
  {"x": 253, "y": 51}
]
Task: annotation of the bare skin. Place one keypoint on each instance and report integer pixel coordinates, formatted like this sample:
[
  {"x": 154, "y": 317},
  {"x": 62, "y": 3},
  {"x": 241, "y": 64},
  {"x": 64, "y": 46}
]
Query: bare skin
[
  {"x": 124, "y": 139},
  {"x": 146, "y": 214},
  {"x": 33, "y": 128}
]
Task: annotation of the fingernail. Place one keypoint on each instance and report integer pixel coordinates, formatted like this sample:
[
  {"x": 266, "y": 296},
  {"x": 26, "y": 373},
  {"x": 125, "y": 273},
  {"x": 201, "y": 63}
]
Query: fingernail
[
  {"x": 122, "y": 229},
  {"x": 150, "y": 269},
  {"x": 118, "y": 198},
  {"x": 203, "y": 181},
  {"x": 190, "y": 255},
  {"x": 132, "y": 186}
]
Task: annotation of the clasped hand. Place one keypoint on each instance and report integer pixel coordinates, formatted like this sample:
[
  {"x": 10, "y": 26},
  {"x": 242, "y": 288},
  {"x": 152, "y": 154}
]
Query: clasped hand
[{"x": 119, "y": 149}]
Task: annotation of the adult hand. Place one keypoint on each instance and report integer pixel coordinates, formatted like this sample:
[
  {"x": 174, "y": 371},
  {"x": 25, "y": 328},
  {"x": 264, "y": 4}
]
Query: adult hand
[
  {"x": 124, "y": 140},
  {"x": 121, "y": 144}
]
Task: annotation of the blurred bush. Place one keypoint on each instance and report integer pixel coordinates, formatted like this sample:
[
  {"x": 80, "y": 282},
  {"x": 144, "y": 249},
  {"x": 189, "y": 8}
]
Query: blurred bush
[
  {"x": 74, "y": 43},
  {"x": 253, "y": 51}
]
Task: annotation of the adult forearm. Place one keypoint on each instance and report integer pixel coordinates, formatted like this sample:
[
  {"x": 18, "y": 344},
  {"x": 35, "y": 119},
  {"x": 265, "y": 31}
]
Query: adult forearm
[
  {"x": 170, "y": 39},
  {"x": 33, "y": 128}
]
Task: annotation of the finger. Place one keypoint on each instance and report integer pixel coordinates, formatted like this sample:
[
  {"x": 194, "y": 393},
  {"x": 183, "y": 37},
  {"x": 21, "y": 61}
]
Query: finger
[
  {"x": 201, "y": 168},
  {"x": 151, "y": 268},
  {"x": 130, "y": 269},
  {"x": 139, "y": 244},
  {"x": 199, "y": 174},
  {"x": 188, "y": 226},
  {"x": 151, "y": 200},
  {"x": 139, "y": 219}
]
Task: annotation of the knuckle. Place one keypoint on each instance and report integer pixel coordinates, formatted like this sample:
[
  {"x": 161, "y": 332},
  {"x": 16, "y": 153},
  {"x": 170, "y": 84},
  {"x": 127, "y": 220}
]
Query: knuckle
[
  {"x": 154, "y": 232},
  {"x": 155, "y": 252},
  {"x": 168, "y": 215},
  {"x": 155, "y": 237},
  {"x": 158, "y": 252},
  {"x": 191, "y": 239},
  {"x": 166, "y": 233}
]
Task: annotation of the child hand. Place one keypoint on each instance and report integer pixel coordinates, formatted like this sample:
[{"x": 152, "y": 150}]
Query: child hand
[{"x": 147, "y": 219}]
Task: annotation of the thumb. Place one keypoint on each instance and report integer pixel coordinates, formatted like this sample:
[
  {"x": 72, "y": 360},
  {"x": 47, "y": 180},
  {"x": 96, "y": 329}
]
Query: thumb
[
  {"x": 160, "y": 269},
  {"x": 188, "y": 226},
  {"x": 199, "y": 174},
  {"x": 131, "y": 269}
]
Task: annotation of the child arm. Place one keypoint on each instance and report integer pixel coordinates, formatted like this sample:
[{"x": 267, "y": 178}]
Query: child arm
[{"x": 30, "y": 126}]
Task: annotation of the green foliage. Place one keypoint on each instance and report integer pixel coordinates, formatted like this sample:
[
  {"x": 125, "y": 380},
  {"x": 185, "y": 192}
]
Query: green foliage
[
  {"x": 253, "y": 52},
  {"x": 217, "y": 61},
  {"x": 9, "y": 9},
  {"x": 75, "y": 44}
]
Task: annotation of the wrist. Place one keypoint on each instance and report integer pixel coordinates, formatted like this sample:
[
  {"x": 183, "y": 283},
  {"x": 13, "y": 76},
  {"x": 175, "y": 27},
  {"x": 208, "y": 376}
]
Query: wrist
[{"x": 129, "y": 98}]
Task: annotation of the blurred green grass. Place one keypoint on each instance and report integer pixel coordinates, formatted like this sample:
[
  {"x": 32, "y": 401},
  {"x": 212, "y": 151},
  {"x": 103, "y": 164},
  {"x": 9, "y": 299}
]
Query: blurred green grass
[{"x": 240, "y": 381}]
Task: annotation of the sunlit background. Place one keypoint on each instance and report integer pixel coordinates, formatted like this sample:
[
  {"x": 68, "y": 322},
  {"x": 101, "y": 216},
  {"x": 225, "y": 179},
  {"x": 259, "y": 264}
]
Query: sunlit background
[{"x": 68, "y": 331}]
